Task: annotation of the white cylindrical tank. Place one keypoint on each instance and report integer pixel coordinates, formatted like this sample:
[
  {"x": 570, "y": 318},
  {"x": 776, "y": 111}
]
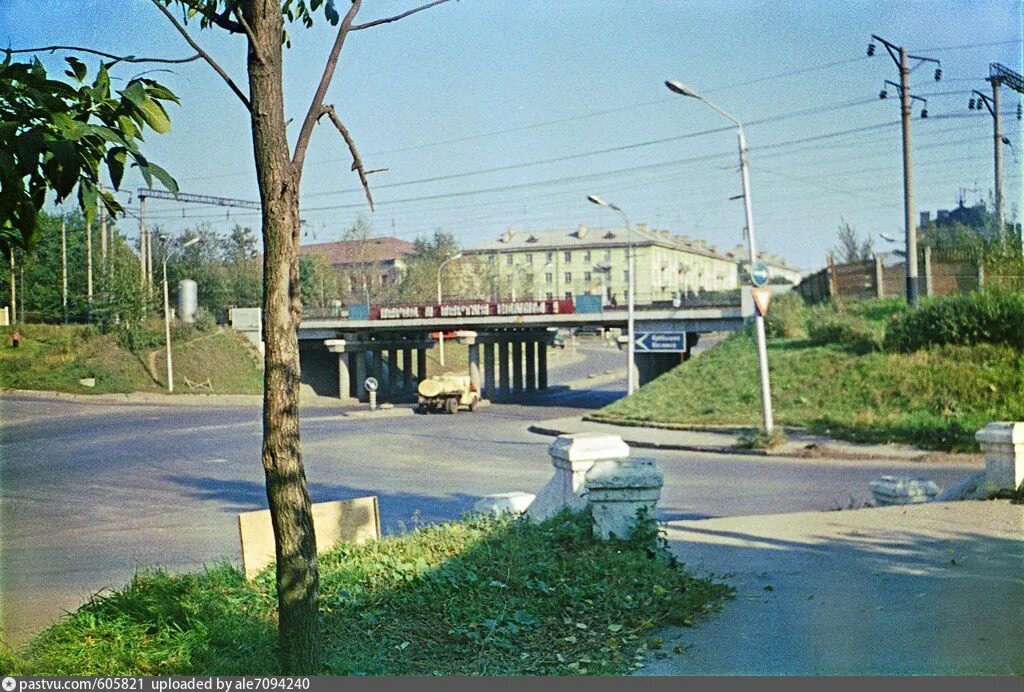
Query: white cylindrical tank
[{"x": 188, "y": 300}]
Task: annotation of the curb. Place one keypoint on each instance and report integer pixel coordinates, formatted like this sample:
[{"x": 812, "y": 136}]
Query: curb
[{"x": 795, "y": 449}]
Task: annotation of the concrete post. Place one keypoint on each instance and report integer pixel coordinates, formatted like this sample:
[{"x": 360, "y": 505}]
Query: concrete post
[
  {"x": 879, "y": 277},
  {"x": 503, "y": 374},
  {"x": 618, "y": 491},
  {"x": 1003, "y": 446},
  {"x": 473, "y": 357},
  {"x": 517, "y": 366},
  {"x": 927, "y": 270},
  {"x": 531, "y": 366},
  {"x": 572, "y": 456},
  {"x": 542, "y": 365},
  {"x": 489, "y": 371},
  {"x": 407, "y": 388}
]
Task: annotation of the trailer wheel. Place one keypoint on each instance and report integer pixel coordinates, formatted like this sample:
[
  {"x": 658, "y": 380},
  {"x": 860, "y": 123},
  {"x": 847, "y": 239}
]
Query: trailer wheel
[
  {"x": 451, "y": 405},
  {"x": 473, "y": 403}
]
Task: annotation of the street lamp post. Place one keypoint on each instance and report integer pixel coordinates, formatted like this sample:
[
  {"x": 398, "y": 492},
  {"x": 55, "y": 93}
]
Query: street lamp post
[
  {"x": 440, "y": 332},
  {"x": 631, "y": 303},
  {"x": 167, "y": 314},
  {"x": 762, "y": 349}
]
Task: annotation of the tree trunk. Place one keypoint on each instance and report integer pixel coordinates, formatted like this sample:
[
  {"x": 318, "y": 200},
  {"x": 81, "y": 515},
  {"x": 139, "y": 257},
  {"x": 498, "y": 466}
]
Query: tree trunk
[{"x": 291, "y": 516}]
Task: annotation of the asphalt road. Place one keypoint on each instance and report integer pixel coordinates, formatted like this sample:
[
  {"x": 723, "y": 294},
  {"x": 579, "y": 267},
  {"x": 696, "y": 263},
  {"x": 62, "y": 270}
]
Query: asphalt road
[{"x": 92, "y": 492}]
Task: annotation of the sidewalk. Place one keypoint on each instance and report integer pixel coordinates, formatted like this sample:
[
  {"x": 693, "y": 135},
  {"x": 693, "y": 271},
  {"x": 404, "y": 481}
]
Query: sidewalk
[
  {"x": 798, "y": 444},
  {"x": 923, "y": 589}
]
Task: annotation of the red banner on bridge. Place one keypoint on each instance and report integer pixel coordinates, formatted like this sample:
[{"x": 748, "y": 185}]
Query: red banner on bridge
[{"x": 476, "y": 309}]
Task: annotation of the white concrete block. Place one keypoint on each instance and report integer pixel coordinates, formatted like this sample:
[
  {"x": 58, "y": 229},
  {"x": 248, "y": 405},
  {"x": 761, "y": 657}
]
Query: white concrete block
[
  {"x": 1003, "y": 445},
  {"x": 617, "y": 491},
  {"x": 572, "y": 456},
  {"x": 903, "y": 490},
  {"x": 504, "y": 503}
]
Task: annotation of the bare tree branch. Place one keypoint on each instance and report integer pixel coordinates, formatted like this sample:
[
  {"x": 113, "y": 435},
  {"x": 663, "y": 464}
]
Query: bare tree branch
[
  {"x": 223, "y": 20},
  {"x": 403, "y": 15},
  {"x": 249, "y": 33},
  {"x": 206, "y": 56},
  {"x": 357, "y": 162},
  {"x": 316, "y": 107},
  {"x": 115, "y": 58}
]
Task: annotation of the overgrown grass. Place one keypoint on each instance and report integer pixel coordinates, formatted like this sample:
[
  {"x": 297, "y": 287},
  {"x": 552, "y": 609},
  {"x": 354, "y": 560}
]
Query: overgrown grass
[
  {"x": 55, "y": 357},
  {"x": 936, "y": 398},
  {"x": 484, "y": 596}
]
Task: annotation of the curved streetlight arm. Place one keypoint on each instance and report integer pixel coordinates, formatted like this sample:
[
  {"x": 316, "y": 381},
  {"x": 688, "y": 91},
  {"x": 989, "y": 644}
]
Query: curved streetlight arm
[{"x": 454, "y": 257}]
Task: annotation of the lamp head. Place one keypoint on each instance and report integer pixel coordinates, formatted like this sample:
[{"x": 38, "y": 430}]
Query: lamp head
[
  {"x": 678, "y": 87},
  {"x": 597, "y": 200},
  {"x": 191, "y": 243}
]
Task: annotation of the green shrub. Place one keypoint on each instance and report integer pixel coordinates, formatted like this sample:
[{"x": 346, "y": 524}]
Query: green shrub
[
  {"x": 827, "y": 326},
  {"x": 139, "y": 337},
  {"x": 990, "y": 316},
  {"x": 787, "y": 317}
]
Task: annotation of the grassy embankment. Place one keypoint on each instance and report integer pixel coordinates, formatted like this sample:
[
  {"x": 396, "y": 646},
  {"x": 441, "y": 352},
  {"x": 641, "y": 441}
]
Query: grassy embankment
[
  {"x": 841, "y": 376},
  {"x": 479, "y": 597},
  {"x": 55, "y": 357}
]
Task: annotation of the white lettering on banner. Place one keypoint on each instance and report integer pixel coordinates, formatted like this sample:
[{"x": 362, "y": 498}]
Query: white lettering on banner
[
  {"x": 527, "y": 308},
  {"x": 399, "y": 313},
  {"x": 471, "y": 310}
]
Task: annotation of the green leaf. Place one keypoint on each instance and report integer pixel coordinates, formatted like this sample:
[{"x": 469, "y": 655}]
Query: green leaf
[
  {"x": 115, "y": 165},
  {"x": 163, "y": 176},
  {"x": 87, "y": 199},
  {"x": 78, "y": 69},
  {"x": 151, "y": 112}
]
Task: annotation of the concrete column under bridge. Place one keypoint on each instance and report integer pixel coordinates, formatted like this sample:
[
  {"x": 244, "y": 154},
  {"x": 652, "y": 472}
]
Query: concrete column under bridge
[
  {"x": 520, "y": 366},
  {"x": 348, "y": 362}
]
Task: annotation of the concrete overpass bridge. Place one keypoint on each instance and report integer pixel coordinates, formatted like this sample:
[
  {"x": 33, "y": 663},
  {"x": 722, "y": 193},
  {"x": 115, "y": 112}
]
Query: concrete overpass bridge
[{"x": 507, "y": 341}]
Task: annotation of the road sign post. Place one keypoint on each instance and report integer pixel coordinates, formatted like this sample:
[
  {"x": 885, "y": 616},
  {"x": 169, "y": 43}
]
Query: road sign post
[{"x": 371, "y": 387}]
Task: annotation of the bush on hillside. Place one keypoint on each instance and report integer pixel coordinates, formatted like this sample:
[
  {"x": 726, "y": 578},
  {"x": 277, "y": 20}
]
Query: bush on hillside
[
  {"x": 989, "y": 316},
  {"x": 787, "y": 317},
  {"x": 827, "y": 326}
]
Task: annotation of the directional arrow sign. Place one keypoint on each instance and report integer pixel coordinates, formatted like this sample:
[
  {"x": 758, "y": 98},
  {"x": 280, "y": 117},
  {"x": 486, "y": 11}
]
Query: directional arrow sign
[{"x": 663, "y": 342}]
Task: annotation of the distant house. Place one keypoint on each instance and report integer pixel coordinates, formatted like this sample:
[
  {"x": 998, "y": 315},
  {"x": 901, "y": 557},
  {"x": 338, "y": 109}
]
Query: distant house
[{"x": 371, "y": 265}]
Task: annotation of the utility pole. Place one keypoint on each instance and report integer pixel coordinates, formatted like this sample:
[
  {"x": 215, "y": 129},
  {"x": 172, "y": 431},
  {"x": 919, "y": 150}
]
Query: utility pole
[
  {"x": 902, "y": 60},
  {"x": 88, "y": 262},
  {"x": 14, "y": 292},
  {"x": 142, "y": 244},
  {"x": 998, "y": 75},
  {"x": 64, "y": 265},
  {"x": 103, "y": 236}
]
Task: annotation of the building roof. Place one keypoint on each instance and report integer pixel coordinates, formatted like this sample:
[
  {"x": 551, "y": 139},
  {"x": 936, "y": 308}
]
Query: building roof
[
  {"x": 740, "y": 253},
  {"x": 373, "y": 250},
  {"x": 585, "y": 237}
]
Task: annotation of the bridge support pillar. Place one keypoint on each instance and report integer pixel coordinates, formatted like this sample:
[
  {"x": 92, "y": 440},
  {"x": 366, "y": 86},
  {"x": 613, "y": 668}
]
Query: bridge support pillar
[
  {"x": 407, "y": 388},
  {"x": 542, "y": 365},
  {"x": 359, "y": 362},
  {"x": 503, "y": 374},
  {"x": 421, "y": 364},
  {"x": 489, "y": 371},
  {"x": 344, "y": 377},
  {"x": 531, "y": 366},
  {"x": 377, "y": 370},
  {"x": 394, "y": 374},
  {"x": 473, "y": 356},
  {"x": 517, "y": 367}
]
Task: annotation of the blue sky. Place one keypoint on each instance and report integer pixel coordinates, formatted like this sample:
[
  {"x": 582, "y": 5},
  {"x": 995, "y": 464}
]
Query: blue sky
[{"x": 470, "y": 87}]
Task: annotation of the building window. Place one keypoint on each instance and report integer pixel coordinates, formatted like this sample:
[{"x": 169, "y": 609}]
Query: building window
[
  {"x": 548, "y": 278},
  {"x": 625, "y": 275},
  {"x": 529, "y": 259},
  {"x": 549, "y": 257},
  {"x": 607, "y": 255},
  {"x": 568, "y": 277},
  {"x": 508, "y": 279},
  {"x": 586, "y": 277},
  {"x": 549, "y": 295},
  {"x": 568, "y": 295},
  {"x": 509, "y": 260},
  {"x": 492, "y": 259},
  {"x": 586, "y": 256},
  {"x": 568, "y": 256}
]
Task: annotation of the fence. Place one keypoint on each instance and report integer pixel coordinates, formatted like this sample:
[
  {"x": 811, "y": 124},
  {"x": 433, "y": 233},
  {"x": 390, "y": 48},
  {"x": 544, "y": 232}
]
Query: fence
[{"x": 885, "y": 276}]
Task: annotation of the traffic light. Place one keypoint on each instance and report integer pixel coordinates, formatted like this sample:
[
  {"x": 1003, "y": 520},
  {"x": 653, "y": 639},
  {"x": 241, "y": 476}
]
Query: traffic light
[
  {"x": 938, "y": 73},
  {"x": 970, "y": 105}
]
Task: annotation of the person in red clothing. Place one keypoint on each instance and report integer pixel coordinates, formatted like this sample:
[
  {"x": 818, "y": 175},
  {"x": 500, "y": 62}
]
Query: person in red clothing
[{"x": 15, "y": 339}]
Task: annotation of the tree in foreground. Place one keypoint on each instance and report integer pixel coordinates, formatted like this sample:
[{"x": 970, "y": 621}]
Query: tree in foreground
[{"x": 263, "y": 26}]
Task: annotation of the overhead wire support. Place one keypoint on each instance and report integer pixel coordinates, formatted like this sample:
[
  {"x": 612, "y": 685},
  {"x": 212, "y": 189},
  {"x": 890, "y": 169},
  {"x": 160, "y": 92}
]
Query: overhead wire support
[
  {"x": 144, "y": 192},
  {"x": 902, "y": 59},
  {"x": 998, "y": 75}
]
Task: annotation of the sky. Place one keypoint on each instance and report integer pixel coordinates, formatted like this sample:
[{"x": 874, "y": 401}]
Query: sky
[{"x": 493, "y": 114}]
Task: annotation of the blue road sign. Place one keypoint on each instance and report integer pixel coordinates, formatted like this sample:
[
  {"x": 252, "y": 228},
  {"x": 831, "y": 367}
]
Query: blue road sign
[
  {"x": 663, "y": 342},
  {"x": 759, "y": 274}
]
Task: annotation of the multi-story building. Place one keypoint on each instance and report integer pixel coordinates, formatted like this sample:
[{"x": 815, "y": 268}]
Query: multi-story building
[
  {"x": 365, "y": 267},
  {"x": 572, "y": 262}
]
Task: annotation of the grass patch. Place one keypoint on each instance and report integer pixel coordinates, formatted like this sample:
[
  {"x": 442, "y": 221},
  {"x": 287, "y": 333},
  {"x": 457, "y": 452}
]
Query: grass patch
[
  {"x": 935, "y": 398},
  {"x": 55, "y": 357},
  {"x": 479, "y": 597}
]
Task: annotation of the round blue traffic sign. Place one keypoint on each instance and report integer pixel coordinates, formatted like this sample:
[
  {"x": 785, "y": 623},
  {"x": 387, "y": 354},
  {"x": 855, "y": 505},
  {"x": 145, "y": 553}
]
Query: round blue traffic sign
[{"x": 759, "y": 274}]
